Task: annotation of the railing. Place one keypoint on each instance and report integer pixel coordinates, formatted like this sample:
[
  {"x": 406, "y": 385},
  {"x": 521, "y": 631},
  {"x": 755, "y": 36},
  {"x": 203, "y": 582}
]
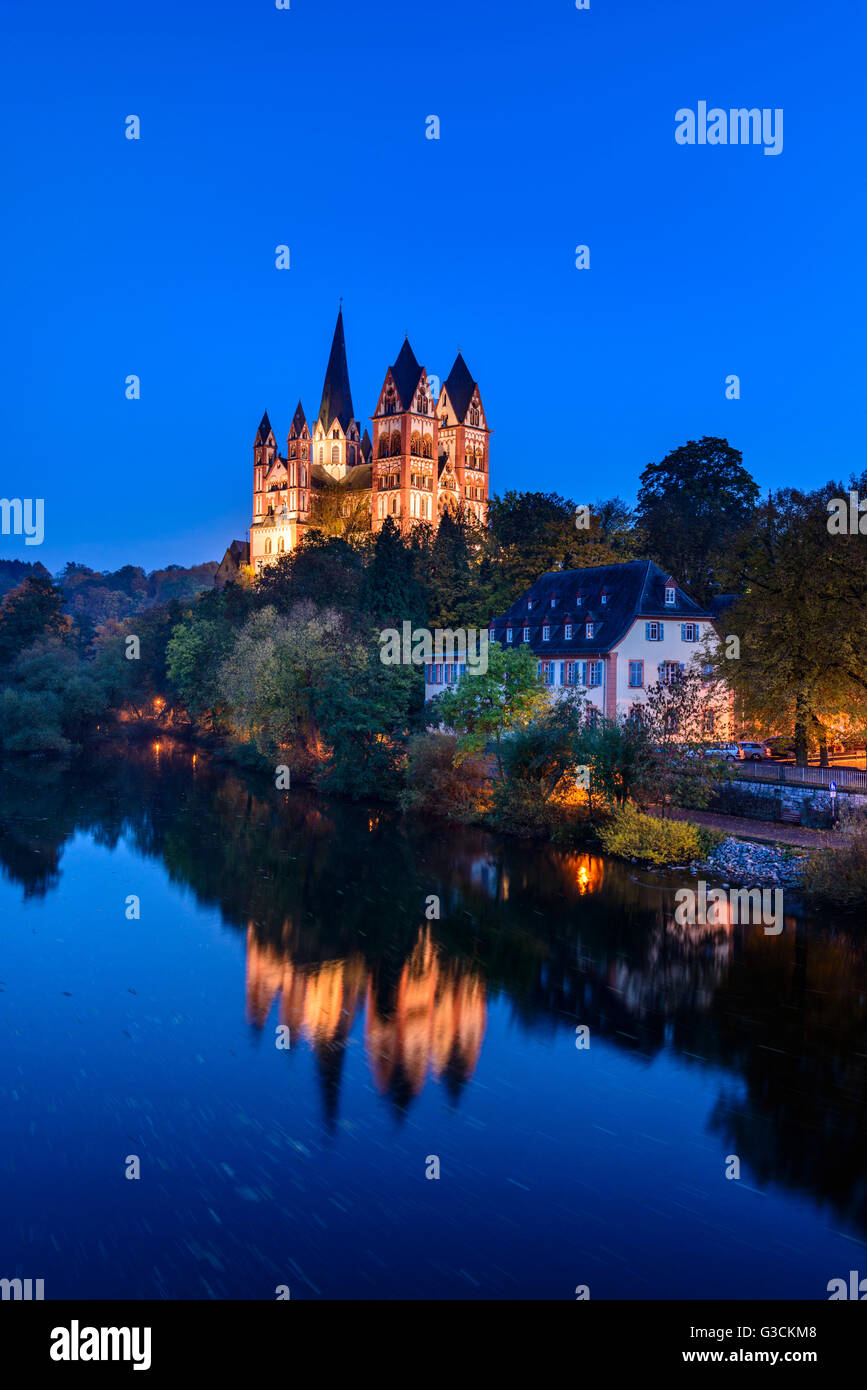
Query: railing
[{"x": 847, "y": 778}]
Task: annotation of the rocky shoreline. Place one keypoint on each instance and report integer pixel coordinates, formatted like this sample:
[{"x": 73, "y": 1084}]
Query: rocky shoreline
[{"x": 742, "y": 861}]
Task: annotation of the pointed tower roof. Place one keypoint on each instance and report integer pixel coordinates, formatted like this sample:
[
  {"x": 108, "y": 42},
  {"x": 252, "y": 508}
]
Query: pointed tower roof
[
  {"x": 460, "y": 386},
  {"x": 264, "y": 430},
  {"x": 366, "y": 446},
  {"x": 336, "y": 395},
  {"x": 406, "y": 372},
  {"x": 299, "y": 420}
]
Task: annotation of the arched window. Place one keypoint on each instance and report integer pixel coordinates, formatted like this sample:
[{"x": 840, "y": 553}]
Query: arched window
[
  {"x": 335, "y": 453},
  {"x": 427, "y": 448},
  {"x": 292, "y": 451},
  {"x": 383, "y": 446},
  {"x": 381, "y": 507},
  {"x": 421, "y": 403},
  {"x": 321, "y": 454},
  {"x": 394, "y": 506},
  {"x": 281, "y": 545},
  {"x": 468, "y": 460},
  {"x": 351, "y": 454},
  {"x": 304, "y": 451},
  {"x": 303, "y": 476},
  {"x": 395, "y": 443},
  {"x": 268, "y": 546},
  {"x": 415, "y": 445}
]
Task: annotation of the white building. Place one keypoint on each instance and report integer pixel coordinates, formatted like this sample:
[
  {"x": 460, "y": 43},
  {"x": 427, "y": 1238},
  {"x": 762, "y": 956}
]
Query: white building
[{"x": 611, "y": 631}]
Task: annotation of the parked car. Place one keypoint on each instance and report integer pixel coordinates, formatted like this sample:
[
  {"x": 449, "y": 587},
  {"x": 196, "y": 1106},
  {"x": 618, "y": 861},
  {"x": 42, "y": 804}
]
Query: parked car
[
  {"x": 755, "y": 752},
  {"x": 729, "y": 751},
  {"x": 781, "y": 746}
]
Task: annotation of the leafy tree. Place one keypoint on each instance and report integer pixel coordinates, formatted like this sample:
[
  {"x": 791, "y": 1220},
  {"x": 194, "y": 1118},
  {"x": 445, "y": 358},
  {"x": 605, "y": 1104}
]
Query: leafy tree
[
  {"x": 676, "y": 715},
  {"x": 325, "y": 570},
  {"x": 32, "y": 609},
  {"x": 390, "y": 592},
  {"x": 485, "y": 708},
  {"x": 800, "y": 621},
  {"x": 690, "y": 506}
]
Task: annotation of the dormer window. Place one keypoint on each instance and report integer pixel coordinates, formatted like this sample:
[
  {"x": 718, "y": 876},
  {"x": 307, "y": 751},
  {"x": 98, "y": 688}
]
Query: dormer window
[
  {"x": 604, "y": 599},
  {"x": 554, "y": 601},
  {"x": 670, "y": 594},
  {"x": 589, "y": 629},
  {"x": 546, "y": 633},
  {"x": 508, "y": 634},
  {"x": 567, "y": 632},
  {"x": 529, "y": 604},
  {"x": 578, "y": 600}
]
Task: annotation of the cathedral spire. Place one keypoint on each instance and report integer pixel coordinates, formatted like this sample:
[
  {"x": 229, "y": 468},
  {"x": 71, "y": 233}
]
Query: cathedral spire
[
  {"x": 264, "y": 430},
  {"x": 336, "y": 395}
]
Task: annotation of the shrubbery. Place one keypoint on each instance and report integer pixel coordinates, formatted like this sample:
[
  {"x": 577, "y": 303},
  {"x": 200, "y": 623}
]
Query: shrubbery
[
  {"x": 840, "y": 875},
  {"x": 632, "y": 835}
]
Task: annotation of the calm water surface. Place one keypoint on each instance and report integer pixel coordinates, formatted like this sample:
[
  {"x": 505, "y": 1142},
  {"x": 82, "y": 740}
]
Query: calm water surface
[{"x": 409, "y": 1039}]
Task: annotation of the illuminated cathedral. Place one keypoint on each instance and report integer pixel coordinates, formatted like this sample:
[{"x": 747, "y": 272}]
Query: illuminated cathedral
[{"x": 426, "y": 454}]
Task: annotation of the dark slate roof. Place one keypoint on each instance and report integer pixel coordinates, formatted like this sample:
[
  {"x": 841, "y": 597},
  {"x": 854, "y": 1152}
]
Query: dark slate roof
[
  {"x": 299, "y": 421},
  {"x": 355, "y": 479},
  {"x": 635, "y": 589},
  {"x": 460, "y": 387},
  {"x": 405, "y": 374},
  {"x": 366, "y": 446},
  {"x": 239, "y": 551},
  {"x": 336, "y": 401},
  {"x": 264, "y": 430}
]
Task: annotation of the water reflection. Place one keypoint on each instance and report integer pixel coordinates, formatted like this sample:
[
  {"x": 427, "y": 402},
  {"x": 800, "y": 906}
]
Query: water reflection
[{"x": 330, "y": 899}]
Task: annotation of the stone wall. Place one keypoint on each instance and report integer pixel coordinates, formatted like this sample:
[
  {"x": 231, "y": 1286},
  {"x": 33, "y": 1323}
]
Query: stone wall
[{"x": 779, "y": 801}]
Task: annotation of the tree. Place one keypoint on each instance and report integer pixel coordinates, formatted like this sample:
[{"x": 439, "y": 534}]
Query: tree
[
  {"x": 390, "y": 592},
  {"x": 325, "y": 570},
  {"x": 32, "y": 609},
  {"x": 800, "y": 620},
  {"x": 676, "y": 715},
  {"x": 690, "y": 506},
  {"x": 485, "y": 707}
]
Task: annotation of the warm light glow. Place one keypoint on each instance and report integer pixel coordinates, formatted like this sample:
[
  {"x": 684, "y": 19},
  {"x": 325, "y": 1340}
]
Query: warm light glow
[
  {"x": 158, "y": 702},
  {"x": 157, "y": 747}
]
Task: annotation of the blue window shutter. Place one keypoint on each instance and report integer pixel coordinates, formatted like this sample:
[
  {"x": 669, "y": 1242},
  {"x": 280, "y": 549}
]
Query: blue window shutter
[
  {"x": 562, "y": 673},
  {"x": 683, "y": 632},
  {"x": 647, "y": 632},
  {"x": 661, "y": 631}
]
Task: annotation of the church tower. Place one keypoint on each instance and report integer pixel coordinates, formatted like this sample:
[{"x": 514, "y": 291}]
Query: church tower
[
  {"x": 336, "y": 436},
  {"x": 404, "y": 445},
  {"x": 463, "y": 435}
]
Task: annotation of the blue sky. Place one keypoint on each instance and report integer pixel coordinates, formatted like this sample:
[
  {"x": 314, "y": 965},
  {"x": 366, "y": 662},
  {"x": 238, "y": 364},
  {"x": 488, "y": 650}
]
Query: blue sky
[{"x": 261, "y": 127}]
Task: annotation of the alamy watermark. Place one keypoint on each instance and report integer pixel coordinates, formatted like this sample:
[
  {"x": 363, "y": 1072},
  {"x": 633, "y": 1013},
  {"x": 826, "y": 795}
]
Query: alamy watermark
[
  {"x": 418, "y": 647},
  {"x": 738, "y": 126},
  {"x": 717, "y": 907},
  {"x": 848, "y": 516},
  {"x": 27, "y": 516}
]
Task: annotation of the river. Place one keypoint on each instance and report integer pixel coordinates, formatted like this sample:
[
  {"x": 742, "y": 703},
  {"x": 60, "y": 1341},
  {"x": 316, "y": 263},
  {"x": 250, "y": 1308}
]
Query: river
[{"x": 246, "y": 997}]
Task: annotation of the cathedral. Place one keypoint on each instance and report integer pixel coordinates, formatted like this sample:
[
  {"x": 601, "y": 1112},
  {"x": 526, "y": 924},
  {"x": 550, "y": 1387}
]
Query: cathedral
[{"x": 426, "y": 453}]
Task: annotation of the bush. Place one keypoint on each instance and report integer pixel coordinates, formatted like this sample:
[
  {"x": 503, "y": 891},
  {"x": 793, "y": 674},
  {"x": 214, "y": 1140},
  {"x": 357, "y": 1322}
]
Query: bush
[
  {"x": 839, "y": 875},
  {"x": 435, "y": 785},
  {"x": 632, "y": 835}
]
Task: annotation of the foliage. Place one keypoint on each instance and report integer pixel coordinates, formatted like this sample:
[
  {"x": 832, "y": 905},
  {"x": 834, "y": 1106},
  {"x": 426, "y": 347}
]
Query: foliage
[
  {"x": 436, "y": 785},
  {"x": 484, "y": 707},
  {"x": 632, "y": 835},
  {"x": 690, "y": 506},
  {"x": 839, "y": 875},
  {"x": 801, "y": 620}
]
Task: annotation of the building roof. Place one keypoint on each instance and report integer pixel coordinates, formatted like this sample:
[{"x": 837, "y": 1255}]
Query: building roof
[
  {"x": 635, "y": 589},
  {"x": 336, "y": 401},
  {"x": 406, "y": 373},
  {"x": 366, "y": 446},
  {"x": 299, "y": 422},
  {"x": 353, "y": 480},
  {"x": 460, "y": 387},
  {"x": 264, "y": 431}
]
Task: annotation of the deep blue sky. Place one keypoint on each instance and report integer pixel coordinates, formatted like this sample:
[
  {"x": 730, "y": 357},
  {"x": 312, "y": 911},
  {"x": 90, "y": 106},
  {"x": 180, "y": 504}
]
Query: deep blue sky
[{"x": 307, "y": 127}]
